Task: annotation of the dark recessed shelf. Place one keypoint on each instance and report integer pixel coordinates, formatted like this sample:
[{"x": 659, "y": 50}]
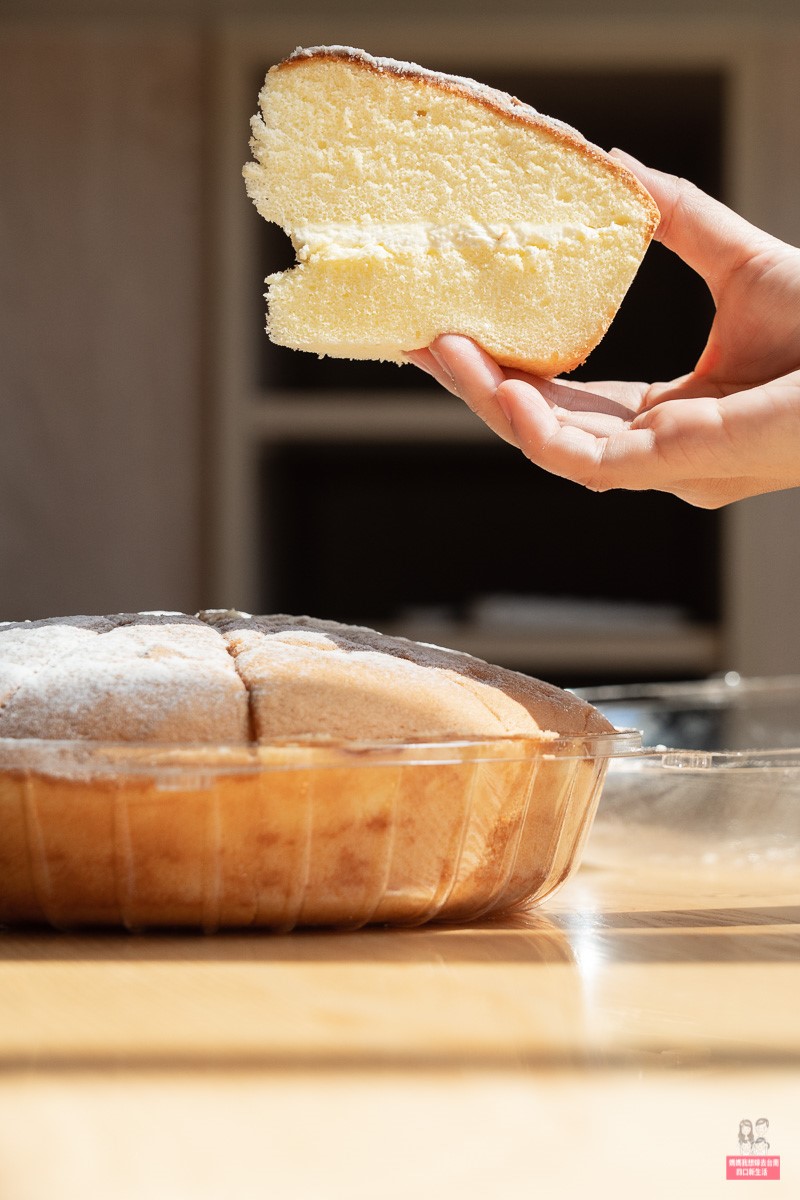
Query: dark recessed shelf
[{"x": 369, "y": 530}]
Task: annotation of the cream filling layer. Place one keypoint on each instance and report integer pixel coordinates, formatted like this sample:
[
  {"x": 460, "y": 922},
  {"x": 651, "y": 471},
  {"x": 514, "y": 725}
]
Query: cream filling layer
[{"x": 378, "y": 240}]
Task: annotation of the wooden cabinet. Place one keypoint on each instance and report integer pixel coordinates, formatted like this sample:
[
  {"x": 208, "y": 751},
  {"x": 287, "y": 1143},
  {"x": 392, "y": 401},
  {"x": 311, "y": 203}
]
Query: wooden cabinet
[{"x": 100, "y": 340}]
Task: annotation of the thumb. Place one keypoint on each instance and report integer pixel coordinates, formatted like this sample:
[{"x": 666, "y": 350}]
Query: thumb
[{"x": 708, "y": 236}]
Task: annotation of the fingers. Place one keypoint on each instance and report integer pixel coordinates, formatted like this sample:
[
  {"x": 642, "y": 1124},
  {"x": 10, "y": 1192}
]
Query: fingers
[
  {"x": 611, "y": 398},
  {"x": 462, "y": 367},
  {"x": 709, "y": 450},
  {"x": 426, "y": 362},
  {"x": 598, "y": 456},
  {"x": 674, "y": 448},
  {"x": 475, "y": 377},
  {"x": 707, "y": 235},
  {"x": 467, "y": 371},
  {"x": 602, "y": 436}
]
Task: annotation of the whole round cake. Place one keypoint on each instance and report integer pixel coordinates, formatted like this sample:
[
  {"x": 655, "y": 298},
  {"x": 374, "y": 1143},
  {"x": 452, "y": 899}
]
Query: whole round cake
[{"x": 228, "y": 769}]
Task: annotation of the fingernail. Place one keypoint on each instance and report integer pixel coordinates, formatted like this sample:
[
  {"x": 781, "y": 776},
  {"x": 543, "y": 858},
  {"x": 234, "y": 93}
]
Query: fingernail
[
  {"x": 444, "y": 365},
  {"x": 415, "y": 358},
  {"x": 503, "y": 405},
  {"x": 617, "y": 153}
]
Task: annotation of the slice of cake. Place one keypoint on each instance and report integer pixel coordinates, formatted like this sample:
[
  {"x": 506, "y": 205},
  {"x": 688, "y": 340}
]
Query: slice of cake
[{"x": 421, "y": 203}]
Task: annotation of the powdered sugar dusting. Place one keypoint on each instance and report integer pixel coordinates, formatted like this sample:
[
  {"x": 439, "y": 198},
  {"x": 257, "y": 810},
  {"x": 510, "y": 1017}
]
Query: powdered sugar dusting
[
  {"x": 118, "y": 679},
  {"x": 225, "y": 677},
  {"x": 474, "y": 698}
]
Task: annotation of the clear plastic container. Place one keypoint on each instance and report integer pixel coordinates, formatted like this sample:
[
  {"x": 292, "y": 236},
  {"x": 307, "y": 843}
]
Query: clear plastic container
[
  {"x": 718, "y": 792},
  {"x": 279, "y": 836}
]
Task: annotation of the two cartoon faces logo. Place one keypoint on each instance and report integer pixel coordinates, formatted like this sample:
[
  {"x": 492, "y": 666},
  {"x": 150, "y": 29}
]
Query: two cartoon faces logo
[{"x": 754, "y": 1141}]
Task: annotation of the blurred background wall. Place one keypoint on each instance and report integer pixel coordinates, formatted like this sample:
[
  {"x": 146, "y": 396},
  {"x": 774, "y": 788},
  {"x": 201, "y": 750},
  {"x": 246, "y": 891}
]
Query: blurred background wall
[{"x": 156, "y": 452}]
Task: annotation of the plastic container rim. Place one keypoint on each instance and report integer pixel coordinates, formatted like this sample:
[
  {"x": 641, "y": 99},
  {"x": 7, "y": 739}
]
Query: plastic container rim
[
  {"x": 722, "y": 687},
  {"x": 715, "y": 692},
  {"x": 665, "y": 758},
  {"x": 45, "y": 755}
]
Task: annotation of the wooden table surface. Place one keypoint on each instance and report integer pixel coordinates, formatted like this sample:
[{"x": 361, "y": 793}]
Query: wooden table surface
[{"x": 609, "y": 1042}]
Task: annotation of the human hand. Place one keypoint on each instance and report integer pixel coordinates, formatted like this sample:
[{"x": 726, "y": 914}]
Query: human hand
[{"x": 727, "y": 430}]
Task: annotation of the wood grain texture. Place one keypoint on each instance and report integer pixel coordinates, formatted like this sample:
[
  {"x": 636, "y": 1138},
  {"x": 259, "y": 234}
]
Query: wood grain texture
[
  {"x": 617, "y": 1036},
  {"x": 100, "y": 231},
  {"x": 607, "y": 971}
]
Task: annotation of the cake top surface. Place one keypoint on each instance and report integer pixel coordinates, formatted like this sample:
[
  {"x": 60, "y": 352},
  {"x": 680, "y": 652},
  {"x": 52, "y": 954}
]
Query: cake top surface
[{"x": 226, "y": 676}]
